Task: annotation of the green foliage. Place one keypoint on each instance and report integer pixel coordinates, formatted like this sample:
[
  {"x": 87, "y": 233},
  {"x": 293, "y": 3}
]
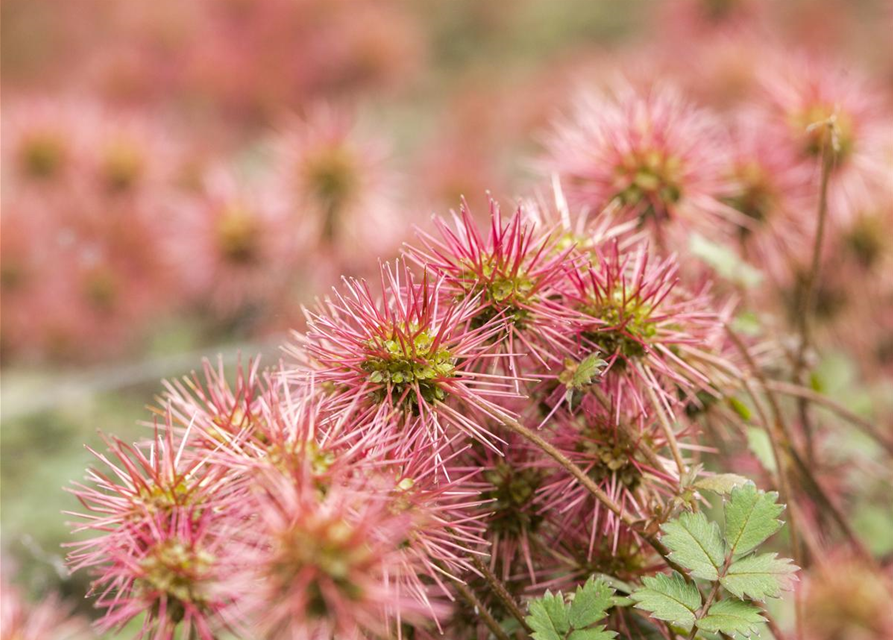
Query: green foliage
[
  {"x": 751, "y": 518},
  {"x": 725, "y": 559},
  {"x": 669, "y": 598},
  {"x": 577, "y": 376},
  {"x": 556, "y": 617},
  {"x": 760, "y": 445},
  {"x": 696, "y": 544},
  {"x": 758, "y": 577},
  {"x": 732, "y": 617},
  {"x": 409, "y": 359}
]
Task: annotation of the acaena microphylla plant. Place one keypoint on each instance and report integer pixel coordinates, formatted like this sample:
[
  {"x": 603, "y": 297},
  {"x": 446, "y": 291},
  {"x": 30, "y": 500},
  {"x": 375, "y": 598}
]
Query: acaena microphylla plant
[
  {"x": 391, "y": 478},
  {"x": 411, "y": 355},
  {"x": 155, "y": 535},
  {"x": 511, "y": 276},
  {"x": 609, "y": 444},
  {"x": 806, "y": 95},
  {"x": 657, "y": 339}
]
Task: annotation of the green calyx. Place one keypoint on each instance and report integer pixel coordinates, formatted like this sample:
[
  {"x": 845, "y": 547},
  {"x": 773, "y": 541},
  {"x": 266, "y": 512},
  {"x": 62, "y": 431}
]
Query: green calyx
[
  {"x": 626, "y": 326},
  {"x": 504, "y": 295},
  {"x": 43, "y": 155},
  {"x": 407, "y": 361},
  {"x": 755, "y": 199}
]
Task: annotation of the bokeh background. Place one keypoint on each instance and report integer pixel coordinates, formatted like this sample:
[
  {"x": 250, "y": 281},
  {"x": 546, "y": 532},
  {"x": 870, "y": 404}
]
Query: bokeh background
[{"x": 179, "y": 177}]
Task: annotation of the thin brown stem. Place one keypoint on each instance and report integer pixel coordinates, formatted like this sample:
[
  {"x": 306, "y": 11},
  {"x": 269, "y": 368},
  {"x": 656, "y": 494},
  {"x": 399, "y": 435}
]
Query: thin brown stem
[
  {"x": 866, "y": 426},
  {"x": 501, "y": 592},
  {"x": 667, "y": 429},
  {"x": 778, "y": 438},
  {"x": 486, "y": 617},
  {"x": 712, "y": 595},
  {"x": 774, "y": 629},
  {"x": 807, "y": 301}
]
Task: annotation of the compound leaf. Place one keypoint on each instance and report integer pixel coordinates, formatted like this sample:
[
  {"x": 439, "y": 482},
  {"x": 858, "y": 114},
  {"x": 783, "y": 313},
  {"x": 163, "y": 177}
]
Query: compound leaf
[
  {"x": 732, "y": 617},
  {"x": 751, "y": 517},
  {"x": 548, "y": 617},
  {"x": 669, "y": 598},
  {"x": 759, "y": 576},
  {"x": 590, "y": 604},
  {"x": 553, "y": 618},
  {"x": 696, "y": 544},
  {"x": 598, "y": 633}
]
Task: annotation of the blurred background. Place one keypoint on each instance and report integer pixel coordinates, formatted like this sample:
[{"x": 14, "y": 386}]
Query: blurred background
[{"x": 179, "y": 177}]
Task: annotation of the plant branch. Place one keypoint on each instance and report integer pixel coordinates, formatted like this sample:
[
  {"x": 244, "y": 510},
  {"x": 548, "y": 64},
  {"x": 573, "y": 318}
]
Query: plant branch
[
  {"x": 500, "y": 591},
  {"x": 486, "y": 617},
  {"x": 711, "y": 596},
  {"x": 778, "y": 438},
  {"x": 807, "y": 301},
  {"x": 866, "y": 426},
  {"x": 667, "y": 429}
]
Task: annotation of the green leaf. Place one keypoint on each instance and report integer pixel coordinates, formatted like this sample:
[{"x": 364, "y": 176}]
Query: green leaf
[
  {"x": 740, "y": 408},
  {"x": 590, "y": 604},
  {"x": 669, "y": 598},
  {"x": 732, "y": 617},
  {"x": 722, "y": 483},
  {"x": 760, "y": 576},
  {"x": 696, "y": 544},
  {"x": 552, "y": 618},
  {"x": 751, "y": 517},
  {"x": 548, "y": 617},
  {"x": 598, "y": 633},
  {"x": 760, "y": 445}
]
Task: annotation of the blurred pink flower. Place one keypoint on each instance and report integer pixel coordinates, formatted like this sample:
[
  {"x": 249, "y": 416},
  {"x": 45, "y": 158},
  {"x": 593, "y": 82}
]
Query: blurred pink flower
[
  {"x": 649, "y": 156},
  {"x": 48, "y": 619},
  {"x": 326, "y": 564},
  {"x": 236, "y": 244},
  {"x": 806, "y": 96},
  {"x": 337, "y": 178}
]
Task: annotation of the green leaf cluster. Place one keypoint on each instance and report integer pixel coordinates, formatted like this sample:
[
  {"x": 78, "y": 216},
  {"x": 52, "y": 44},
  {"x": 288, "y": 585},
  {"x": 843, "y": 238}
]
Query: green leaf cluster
[
  {"x": 573, "y": 617},
  {"x": 577, "y": 376},
  {"x": 726, "y": 558}
]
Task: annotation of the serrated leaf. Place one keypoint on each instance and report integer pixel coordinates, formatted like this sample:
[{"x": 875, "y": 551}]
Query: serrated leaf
[
  {"x": 548, "y": 617},
  {"x": 759, "y": 577},
  {"x": 577, "y": 375},
  {"x": 732, "y": 617},
  {"x": 696, "y": 544},
  {"x": 590, "y": 604},
  {"x": 597, "y": 633},
  {"x": 669, "y": 598},
  {"x": 722, "y": 483},
  {"x": 751, "y": 517}
]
